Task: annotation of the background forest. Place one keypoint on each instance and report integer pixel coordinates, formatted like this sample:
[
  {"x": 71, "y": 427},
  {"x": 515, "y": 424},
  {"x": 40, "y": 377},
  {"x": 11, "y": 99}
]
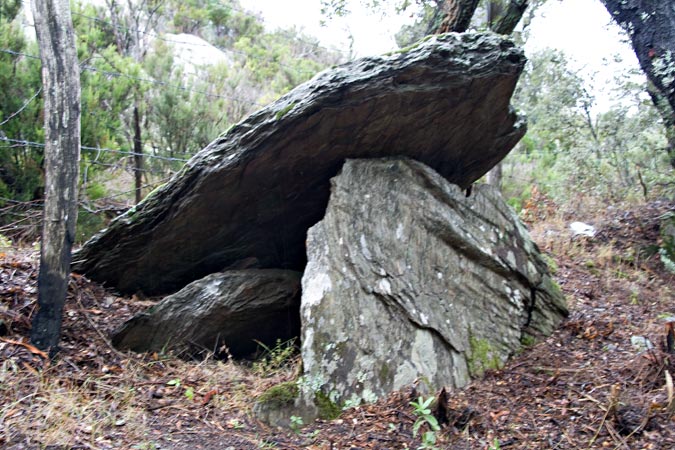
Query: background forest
[{"x": 162, "y": 79}]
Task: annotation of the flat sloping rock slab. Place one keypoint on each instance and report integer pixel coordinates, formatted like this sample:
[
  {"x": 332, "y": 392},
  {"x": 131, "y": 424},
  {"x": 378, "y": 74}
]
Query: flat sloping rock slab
[
  {"x": 408, "y": 279},
  {"x": 220, "y": 313},
  {"x": 253, "y": 193}
]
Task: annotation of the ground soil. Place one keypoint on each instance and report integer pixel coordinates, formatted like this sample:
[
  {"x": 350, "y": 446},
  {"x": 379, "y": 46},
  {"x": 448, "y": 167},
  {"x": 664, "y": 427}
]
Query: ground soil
[{"x": 593, "y": 384}]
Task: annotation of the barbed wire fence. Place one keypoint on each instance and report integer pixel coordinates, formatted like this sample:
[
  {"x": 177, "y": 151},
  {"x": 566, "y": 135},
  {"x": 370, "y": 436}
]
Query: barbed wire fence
[{"x": 22, "y": 218}]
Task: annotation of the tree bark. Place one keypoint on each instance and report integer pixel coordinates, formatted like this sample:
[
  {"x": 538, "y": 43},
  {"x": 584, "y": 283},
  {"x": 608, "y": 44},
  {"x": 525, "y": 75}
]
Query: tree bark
[
  {"x": 457, "y": 15},
  {"x": 666, "y": 113},
  {"x": 494, "y": 176},
  {"x": 506, "y": 22},
  {"x": 651, "y": 27},
  {"x": 61, "y": 90},
  {"x": 138, "y": 156}
]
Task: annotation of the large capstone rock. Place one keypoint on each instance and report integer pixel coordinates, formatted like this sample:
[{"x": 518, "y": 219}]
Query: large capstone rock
[
  {"x": 221, "y": 313},
  {"x": 408, "y": 279},
  {"x": 251, "y": 195}
]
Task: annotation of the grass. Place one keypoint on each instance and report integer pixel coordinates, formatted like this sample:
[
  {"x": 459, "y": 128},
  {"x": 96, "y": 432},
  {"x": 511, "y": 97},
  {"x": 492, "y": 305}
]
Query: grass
[{"x": 64, "y": 407}]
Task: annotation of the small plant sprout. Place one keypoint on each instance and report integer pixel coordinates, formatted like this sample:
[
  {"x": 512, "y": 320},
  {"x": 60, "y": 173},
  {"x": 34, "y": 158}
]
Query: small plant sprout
[
  {"x": 422, "y": 409},
  {"x": 296, "y": 423},
  {"x": 274, "y": 358},
  {"x": 189, "y": 393}
]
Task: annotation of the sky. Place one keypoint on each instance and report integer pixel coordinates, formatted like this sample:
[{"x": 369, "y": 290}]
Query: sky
[
  {"x": 581, "y": 28},
  {"x": 372, "y": 35}
]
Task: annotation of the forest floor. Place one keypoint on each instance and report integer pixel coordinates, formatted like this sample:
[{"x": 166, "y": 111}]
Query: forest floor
[{"x": 592, "y": 384}]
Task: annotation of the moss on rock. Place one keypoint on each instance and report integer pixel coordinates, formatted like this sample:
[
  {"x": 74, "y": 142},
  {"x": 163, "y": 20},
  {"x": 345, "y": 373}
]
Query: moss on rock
[
  {"x": 483, "y": 357},
  {"x": 328, "y": 410},
  {"x": 280, "y": 395}
]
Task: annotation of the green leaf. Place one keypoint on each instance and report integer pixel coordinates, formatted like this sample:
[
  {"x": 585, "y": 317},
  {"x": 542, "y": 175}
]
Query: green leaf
[
  {"x": 433, "y": 422},
  {"x": 417, "y": 425}
]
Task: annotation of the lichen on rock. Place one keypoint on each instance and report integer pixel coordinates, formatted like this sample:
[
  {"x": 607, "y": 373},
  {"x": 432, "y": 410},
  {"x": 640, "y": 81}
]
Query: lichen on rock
[{"x": 407, "y": 278}]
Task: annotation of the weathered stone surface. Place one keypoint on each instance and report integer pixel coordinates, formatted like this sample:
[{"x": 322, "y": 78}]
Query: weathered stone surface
[
  {"x": 252, "y": 193},
  {"x": 407, "y": 277},
  {"x": 230, "y": 308}
]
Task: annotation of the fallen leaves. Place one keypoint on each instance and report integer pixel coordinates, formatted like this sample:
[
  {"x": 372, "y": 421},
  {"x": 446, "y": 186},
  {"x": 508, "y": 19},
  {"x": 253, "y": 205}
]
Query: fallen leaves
[
  {"x": 554, "y": 395},
  {"x": 31, "y": 348}
]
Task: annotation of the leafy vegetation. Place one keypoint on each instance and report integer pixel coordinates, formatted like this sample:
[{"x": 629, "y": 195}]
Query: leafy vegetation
[
  {"x": 422, "y": 410},
  {"x": 575, "y": 151},
  {"x": 137, "y": 67}
]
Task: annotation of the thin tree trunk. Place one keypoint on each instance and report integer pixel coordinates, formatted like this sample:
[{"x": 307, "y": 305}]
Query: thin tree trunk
[
  {"x": 138, "y": 156},
  {"x": 503, "y": 21},
  {"x": 61, "y": 82},
  {"x": 494, "y": 176}
]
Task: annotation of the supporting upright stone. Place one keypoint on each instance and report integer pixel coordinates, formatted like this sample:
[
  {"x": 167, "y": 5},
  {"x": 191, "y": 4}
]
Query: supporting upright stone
[{"x": 409, "y": 279}]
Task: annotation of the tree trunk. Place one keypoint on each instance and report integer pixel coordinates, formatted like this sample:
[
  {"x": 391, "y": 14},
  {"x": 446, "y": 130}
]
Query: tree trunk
[
  {"x": 651, "y": 27},
  {"x": 457, "y": 15},
  {"x": 503, "y": 21},
  {"x": 668, "y": 117},
  {"x": 138, "y": 156},
  {"x": 494, "y": 176},
  {"x": 61, "y": 82},
  {"x": 507, "y": 20}
]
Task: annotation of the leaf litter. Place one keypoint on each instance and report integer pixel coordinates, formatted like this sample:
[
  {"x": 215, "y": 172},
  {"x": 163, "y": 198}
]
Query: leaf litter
[{"x": 586, "y": 386}]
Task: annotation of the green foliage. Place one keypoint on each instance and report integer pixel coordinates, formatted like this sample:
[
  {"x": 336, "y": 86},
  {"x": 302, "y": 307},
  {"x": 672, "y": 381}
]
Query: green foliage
[
  {"x": 5, "y": 242},
  {"x": 296, "y": 423},
  {"x": 573, "y": 151},
  {"x": 95, "y": 191},
  {"x": 128, "y": 65},
  {"x": 189, "y": 393},
  {"x": 20, "y": 111},
  {"x": 274, "y": 358},
  {"x": 667, "y": 248},
  {"x": 88, "y": 224},
  {"x": 527, "y": 340},
  {"x": 422, "y": 409},
  {"x": 9, "y": 9}
]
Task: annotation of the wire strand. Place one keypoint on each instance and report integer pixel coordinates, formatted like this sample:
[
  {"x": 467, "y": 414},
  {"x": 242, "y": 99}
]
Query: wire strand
[
  {"x": 24, "y": 143},
  {"x": 24, "y": 106}
]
